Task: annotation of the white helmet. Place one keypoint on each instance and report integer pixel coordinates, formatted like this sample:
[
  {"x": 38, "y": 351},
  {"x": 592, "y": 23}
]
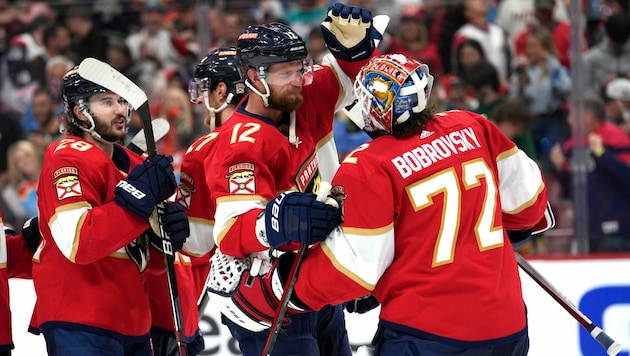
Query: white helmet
[{"x": 389, "y": 88}]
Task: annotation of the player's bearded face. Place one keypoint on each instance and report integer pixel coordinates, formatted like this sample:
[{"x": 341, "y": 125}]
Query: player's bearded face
[
  {"x": 109, "y": 112},
  {"x": 111, "y": 130},
  {"x": 285, "y": 85},
  {"x": 285, "y": 98}
]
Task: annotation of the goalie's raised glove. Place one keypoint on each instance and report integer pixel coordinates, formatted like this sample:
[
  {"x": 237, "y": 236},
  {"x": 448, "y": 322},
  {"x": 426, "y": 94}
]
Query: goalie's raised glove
[
  {"x": 362, "y": 305},
  {"x": 175, "y": 224},
  {"x": 349, "y": 33},
  {"x": 148, "y": 184},
  {"x": 299, "y": 217}
]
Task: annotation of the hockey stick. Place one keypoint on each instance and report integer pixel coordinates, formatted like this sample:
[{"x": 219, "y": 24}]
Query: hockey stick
[
  {"x": 610, "y": 345},
  {"x": 138, "y": 143},
  {"x": 104, "y": 75},
  {"x": 324, "y": 189}
]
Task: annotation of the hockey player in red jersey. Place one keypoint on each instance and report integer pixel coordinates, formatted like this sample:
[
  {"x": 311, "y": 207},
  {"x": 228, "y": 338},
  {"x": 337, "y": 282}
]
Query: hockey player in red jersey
[
  {"x": 430, "y": 209},
  {"x": 217, "y": 87},
  {"x": 277, "y": 140},
  {"x": 16, "y": 252},
  {"x": 95, "y": 201}
]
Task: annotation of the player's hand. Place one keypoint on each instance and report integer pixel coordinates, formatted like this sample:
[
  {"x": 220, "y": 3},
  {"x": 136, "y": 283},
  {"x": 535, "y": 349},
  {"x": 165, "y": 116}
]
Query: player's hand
[
  {"x": 299, "y": 217},
  {"x": 175, "y": 224},
  {"x": 362, "y": 305},
  {"x": 349, "y": 33},
  {"x": 148, "y": 184}
]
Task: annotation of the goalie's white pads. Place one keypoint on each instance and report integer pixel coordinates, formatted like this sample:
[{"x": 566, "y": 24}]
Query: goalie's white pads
[
  {"x": 253, "y": 301},
  {"x": 226, "y": 273}
]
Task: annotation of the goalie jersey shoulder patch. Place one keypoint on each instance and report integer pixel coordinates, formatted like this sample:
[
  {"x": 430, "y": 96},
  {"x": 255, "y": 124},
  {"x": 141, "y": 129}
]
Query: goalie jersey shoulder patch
[
  {"x": 67, "y": 183},
  {"x": 241, "y": 179}
]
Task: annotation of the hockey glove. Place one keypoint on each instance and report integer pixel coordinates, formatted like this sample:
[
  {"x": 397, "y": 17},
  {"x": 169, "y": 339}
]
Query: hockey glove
[
  {"x": 349, "y": 33},
  {"x": 362, "y": 305},
  {"x": 148, "y": 184},
  {"x": 299, "y": 217},
  {"x": 175, "y": 224},
  {"x": 30, "y": 233},
  {"x": 259, "y": 296}
]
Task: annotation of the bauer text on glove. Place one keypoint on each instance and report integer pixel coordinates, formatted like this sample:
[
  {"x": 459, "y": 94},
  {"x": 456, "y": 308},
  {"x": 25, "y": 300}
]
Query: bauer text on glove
[
  {"x": 299, "y": 217},
  {"x": 148, "y": 184},
  {"x": 175, "y": 224}
]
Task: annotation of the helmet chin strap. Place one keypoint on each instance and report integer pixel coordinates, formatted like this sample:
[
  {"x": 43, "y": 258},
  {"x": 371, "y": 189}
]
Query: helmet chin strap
[
  {"x": 91, "y": 130},
  {"x": 213, "y": 111},
  {"x": 265, "y": 97},
  {"x": 293, "y": 138}
]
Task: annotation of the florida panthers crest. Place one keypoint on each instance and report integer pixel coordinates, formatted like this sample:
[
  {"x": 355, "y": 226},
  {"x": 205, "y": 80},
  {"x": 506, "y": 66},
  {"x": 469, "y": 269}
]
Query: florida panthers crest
[{"x": 241, "y": 178}]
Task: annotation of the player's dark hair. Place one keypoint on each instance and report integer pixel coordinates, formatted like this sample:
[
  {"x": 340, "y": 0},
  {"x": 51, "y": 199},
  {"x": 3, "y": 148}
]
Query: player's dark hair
[
  {"x": 72, "y": 128},
  {"x": 415, "y": 124}
]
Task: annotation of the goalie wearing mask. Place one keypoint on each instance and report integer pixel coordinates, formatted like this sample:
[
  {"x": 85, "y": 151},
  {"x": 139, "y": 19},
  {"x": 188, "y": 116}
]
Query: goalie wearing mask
[{"x": 435, "y": 197}]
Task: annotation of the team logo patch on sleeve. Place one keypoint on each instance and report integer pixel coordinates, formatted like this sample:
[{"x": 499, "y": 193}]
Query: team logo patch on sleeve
[
  {"x": 185, "y": 190},
  {"x": 241, "y": 179},
  {"x": 184, "y": 195},
  {"x": 67, "y": 183}
]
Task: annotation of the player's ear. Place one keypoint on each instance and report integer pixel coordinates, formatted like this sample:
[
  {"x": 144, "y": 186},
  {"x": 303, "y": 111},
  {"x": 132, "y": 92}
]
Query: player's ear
[
  {"x": 222, "y": 91},
  {"x": 252, "y": 75},
  {"x": 79, "y": 113}
]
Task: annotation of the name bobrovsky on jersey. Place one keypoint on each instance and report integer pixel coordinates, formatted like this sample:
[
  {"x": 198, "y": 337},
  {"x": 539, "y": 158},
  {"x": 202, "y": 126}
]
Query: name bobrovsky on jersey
[{"x": 438, "y": 149}]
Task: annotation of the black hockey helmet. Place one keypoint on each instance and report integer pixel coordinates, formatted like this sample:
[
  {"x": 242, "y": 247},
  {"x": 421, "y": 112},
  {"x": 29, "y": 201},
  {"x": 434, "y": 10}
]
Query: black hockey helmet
[
  {"x": 76, "y": 88},
  {"x": 263, "y": 45},
  {"x": 76, "y": 91},
  {"x": 220, "y": 65}
]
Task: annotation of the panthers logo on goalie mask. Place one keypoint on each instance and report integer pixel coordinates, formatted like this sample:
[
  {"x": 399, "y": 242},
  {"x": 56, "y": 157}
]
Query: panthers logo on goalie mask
[{"x": 390, "y": 88}]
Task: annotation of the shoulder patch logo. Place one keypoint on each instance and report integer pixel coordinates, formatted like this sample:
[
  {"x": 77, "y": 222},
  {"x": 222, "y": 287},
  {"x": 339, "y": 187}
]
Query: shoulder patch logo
[
  {"x": 185, "y": 190},
  {"x": 68, "y": 186},
  {"x": 184, "y": 195},
  {"x": 65, "y": 170},
  {"x": 241, "y": 179}
]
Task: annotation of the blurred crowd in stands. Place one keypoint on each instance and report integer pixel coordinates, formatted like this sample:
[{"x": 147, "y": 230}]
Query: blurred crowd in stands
[{"x": 507, "y": 59}]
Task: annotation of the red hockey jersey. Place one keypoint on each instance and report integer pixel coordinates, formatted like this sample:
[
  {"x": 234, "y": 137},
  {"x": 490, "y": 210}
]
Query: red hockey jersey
[
  {"x": 193, "y": 194},
  {"x": 88, "y": 267},
  {"x": 424, "y": 230},
  {"x": 15, "y": 262},
  {"x": 254, "y": 160}
]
